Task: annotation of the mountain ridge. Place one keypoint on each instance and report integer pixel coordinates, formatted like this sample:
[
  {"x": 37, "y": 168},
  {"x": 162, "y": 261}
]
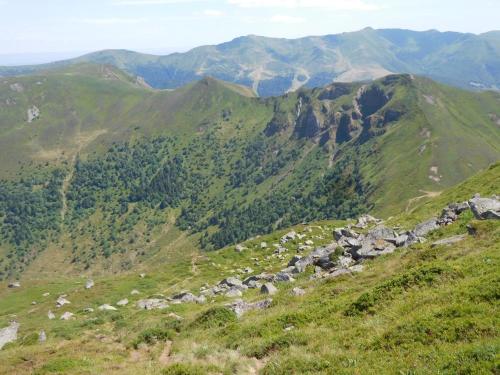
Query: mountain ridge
[{"x": 272, "y": 66}]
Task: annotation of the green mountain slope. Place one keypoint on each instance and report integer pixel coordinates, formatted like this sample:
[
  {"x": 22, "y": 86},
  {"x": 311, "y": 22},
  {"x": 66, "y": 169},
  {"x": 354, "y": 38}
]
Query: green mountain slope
[
  {"x": 422, "y": 309},
  {"x": 272, "y": 66},
  {"x": 109, "y": 172}
]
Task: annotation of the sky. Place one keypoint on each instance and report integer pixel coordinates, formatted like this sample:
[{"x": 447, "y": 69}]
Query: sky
[{"x": 36, "y": 30}]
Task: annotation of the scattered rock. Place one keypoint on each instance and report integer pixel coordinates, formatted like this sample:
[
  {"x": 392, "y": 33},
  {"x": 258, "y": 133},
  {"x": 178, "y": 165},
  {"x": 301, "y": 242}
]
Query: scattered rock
[
  {"x": 107, "y": 307},
  {"x": 239, "y": 248},
  {"x": 46, "y": 294},
  {"x": 17, "y": 87},
  {"x": 14, "y": 284},
  {"x": 263, "y": 245},
  {"x": 290, "y": 236},
  {"x": 240, "y": 307},
  {"x": 42, "y": 337},
  {"x": 142, "y": 275},
  {"x": 9, "y": 334},
  {"x": 134, "y": 292},
  {"x": 298, "y": 291},
  {"x": 175, "y": 316},
  {"x": 427, "y": 226},
  {"x": 51, "y": 315},
  {"x": 89, "y": 284},
  {"x": 268, "y": 288},
  {"x": 33, "y": 113},
  {"x": 67, "y": 316},
  {"x": 61, "y": 301},
  {"x": 231, "y": 281},
  {"x": 152, "y": 303},
  {"x": 187, "y": 297},
  {"x": 309, "y": 243},
  {"x": 233, "y": 293},
  {"x": 122, "y": 302},
  {"x": 283, "y": 277},
  {"x": 88, "y": 310},
  {"x": 364, "y": 220}
]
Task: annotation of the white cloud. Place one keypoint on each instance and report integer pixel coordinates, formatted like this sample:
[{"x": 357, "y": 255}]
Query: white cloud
[
  {"x": 111, "y": 21},
  {"x": 213, "y": 13},
  {"x": 286, "y": 19},
  {"x": 293, "y": 4}
]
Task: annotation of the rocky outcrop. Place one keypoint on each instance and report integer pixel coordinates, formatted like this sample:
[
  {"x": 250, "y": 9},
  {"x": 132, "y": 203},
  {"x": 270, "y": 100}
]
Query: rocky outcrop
[
  {"x": 9, "y": 334},
  {"x": 485, "y": 208},
  {"x": 240, "y": 307}
]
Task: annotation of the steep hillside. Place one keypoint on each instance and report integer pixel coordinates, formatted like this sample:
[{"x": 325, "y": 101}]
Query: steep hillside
[
  {"x": 102, "y": 173},
  {"x": 273, "y": 66},
  {"x": 426, "y": 306}
]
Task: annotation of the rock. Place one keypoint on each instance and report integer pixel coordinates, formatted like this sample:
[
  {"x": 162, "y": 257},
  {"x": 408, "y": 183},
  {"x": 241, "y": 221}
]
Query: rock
[
  {"x": 297, "y": 291},
  {"x": 233, "y": 293},
  {"x": 294, "y": 260},
  {"x": 187, "y": 297},
  {"x": 339, "y": 233},
  {"x": 152, "y": 303},
  {"x": 280, "y": 250},
  {"x": 51, "y": 315},
  {"x": 61, "y": 301},
  {"x": 239, "y": 307},
  {"x": 449, "y": 241},
  {"x": 107, "y": 307},
  {"x": 33, "y": 113},
  {"x": 485, "y": 208},
  {"x": 33, "y": 303},
  {"x": 337, "y": 273},
  {"x": 67, "y": 316},
  {"x": 263, "y": 245},
  {"x": 381, "y": 232},
  {"x": 17, "y": 87},
  {"x": 142, "y": 275},
  {"x": 89, "y": 284},
  {"x": 14, "y": 284},
  {"x": 42, "y": 337},
  {"x": 175, "y": 316},
  {"x": 356, "y": 268},
  {"x": 88, "y": 310},
  {"x": 9, "y": 334},
  {"x": 122, "y": 302},
  {"x": 344, "y": 261},
  {"x": 309, "y": 243},
  {"x": 231, "y": 281},
  {"x": 239, "y": 248},
  {"x": 290, "y": 236},
  {"x": 427, "y": 226},
  {"x": 134, "y": 292},
  {"x": 46, "y": 294},
  {"x": 268, "y": 288},
  {"x": 283, "y": 277},
  {"x": 302, "y": 248},
  {"x": 364, "y": 220}
]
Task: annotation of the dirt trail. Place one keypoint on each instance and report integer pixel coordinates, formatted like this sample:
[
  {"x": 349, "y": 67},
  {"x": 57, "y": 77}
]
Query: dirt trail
[{"x": 427, "y": 194}]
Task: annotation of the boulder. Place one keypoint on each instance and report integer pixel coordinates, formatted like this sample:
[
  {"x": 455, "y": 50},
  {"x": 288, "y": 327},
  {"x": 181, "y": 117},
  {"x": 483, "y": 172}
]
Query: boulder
[
  {"x": 268, "y": 288},
  {"x": 185, "y": 297},
  {"x": 298, "y": 291},
  {"x": 9, "y": 334},
  {"x": 61, "y": 301},
  {"x": 89, "y": 284},
  {"x": 263, "y": 245},
  {"x": 427, "y": 226},
  {"x": 239, "y": 248},
  {"x": 283, "y": 277},
  {"x": 309, "y": 243},
  {"x": 239, "y": 307},
  {"x": 122, "y": 302},
  {"x": 152, "y": 303},
  {"x": 230, "y": 282},
  {"x": 294, "y": 260},
  {"x": 51, "y": 315},
  {"x": 290, "y": 236},
  {"x": 107, "y": 307},
  {"x": 67, "y": 316},
  {"x": 485, "y": 208},
  {"x": 233, "y": 293},
  {"x": 14, "y": 284},
  {"x": 381, "y": 232},
  {"x": 364, "y": 220}
]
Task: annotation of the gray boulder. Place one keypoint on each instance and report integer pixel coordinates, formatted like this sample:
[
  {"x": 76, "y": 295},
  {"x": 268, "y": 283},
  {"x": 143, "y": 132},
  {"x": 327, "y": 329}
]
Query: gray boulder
[
  {"x": 233, "y": 293},
  {"x": 42, "y": 337},
  {"x": 427, "y": 226},
  {"x": 231, "y": 281},
  {"x": 268, "y": 288},
  {"x": 485, "y": 208},
  {"x": 9, "y": 334},
  {"x": 239, "y": 307},
  {"x": 298, "y": 291},
  {"x": 283, "y": 277},
  {"x": 122, "y": 302},
  {"x": 152, "y": 304}
]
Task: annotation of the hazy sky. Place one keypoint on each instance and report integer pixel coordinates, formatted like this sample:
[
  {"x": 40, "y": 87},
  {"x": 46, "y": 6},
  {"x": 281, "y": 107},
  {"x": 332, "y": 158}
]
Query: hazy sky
[{"x": 41, "y": 26}]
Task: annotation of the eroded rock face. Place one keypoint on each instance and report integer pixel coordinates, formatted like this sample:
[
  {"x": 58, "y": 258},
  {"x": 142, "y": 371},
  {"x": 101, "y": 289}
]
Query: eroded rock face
[
  {"x": 371, "y": 100},
  {"x": 485, "y": 208},
  {"x": 9, "y": 334}
]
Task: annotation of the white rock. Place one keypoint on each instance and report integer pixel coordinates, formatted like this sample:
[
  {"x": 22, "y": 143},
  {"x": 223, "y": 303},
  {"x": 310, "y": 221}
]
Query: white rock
[
  {"x": 89, "y": 284},
  {"x": 67, "y": 316},
  {"x": 8, "y": 334},
  {"x": 122, "y": 302},
  {"x": 134, "y": 292},
  {"x": 51, "y": 315},
  {"x": 107, "y": 307},
  {"x": 61, "y": 301}
]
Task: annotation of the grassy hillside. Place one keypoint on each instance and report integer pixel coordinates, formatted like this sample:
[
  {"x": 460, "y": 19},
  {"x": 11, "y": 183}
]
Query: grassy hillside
[
  {"x": 422, "y": 309},
  {"x": 272, "y": 66},
  {"x": 108, "y": 170}
]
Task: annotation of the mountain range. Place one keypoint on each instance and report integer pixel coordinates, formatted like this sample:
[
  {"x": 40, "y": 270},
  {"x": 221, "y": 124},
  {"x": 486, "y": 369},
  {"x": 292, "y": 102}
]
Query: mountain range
[{"x": 273, "y": 66}]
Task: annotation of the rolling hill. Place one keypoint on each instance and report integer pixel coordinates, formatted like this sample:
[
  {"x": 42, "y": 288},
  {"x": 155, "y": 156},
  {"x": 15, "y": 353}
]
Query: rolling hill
[
  {"x": 101, "y": 173},
  {"x": 272, "y": 66}
]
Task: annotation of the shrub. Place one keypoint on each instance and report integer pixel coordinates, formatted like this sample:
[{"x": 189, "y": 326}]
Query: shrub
[
  {"x": 215, "y": 317},
  {"x": 151, "y": 336}
]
